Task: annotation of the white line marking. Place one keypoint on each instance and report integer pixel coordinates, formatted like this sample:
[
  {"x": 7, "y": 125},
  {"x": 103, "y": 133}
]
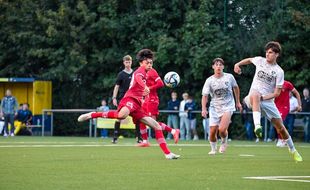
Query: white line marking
[
  {"x": 107, "y": 144},
  {"x": 282, "y": 178},
  {"x": 246, "y": 155}
]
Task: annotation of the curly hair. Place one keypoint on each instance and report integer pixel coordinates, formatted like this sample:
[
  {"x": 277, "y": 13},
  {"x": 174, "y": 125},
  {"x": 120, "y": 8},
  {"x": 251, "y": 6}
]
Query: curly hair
[{"x": 145, "y": 54}]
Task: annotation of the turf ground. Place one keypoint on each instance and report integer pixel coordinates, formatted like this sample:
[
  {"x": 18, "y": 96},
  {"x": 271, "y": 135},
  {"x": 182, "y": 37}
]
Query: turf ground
[{"x": 73, "y": 163}]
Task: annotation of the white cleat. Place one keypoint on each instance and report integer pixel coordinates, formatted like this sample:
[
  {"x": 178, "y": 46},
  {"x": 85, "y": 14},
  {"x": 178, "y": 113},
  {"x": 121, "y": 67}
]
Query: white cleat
[
  {"x": 12, "y": 135},
  {"x": 172, "y": 156},
  {"x": 281, "y": 143},
  {"x": 5, "y": 134},
  {"x": 212, "y": 152},
  {"x": 223, "y": 148},
  {"x": 85, "y": 117}
]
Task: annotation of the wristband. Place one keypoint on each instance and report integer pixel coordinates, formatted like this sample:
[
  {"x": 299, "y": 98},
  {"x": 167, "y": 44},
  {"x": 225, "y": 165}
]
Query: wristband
[{"x": 261, "y": 98}]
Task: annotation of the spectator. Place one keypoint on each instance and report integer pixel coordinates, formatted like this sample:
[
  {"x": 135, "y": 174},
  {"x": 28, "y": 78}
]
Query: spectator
[
  {"x": 206, "y": 127},
  {"x": 173, "y": 105},
  {"x": 184, "y": 123},
  {"x": 1, "y": 125},
  {"x": 306, "y": 108},
  {"x": 8, "y": 110},
  {"x": 290, "y": 118},
  {"x": 103, "y": 108},
  {"x": 189, "y": 107},
  {"x": 23, "y": 118},
  {"x": 247, "y": 120}
]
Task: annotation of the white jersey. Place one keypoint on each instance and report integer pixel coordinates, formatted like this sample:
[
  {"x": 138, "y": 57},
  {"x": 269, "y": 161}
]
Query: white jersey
[
  {"x": 267, "y": 76},
  {"x": 220, "y": 90}
]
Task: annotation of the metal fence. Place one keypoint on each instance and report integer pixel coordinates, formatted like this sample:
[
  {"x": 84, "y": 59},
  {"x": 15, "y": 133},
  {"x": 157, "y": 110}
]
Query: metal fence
[{"x": 91, "y": 130}]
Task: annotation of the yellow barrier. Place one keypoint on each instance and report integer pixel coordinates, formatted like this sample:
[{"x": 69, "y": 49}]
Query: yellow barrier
[{"x": 103, "y": 123}]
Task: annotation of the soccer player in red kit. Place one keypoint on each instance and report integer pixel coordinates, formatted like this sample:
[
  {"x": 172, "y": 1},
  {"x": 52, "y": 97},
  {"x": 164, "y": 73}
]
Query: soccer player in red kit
[
  {"x": 131, "y": 104},
  {"x": 150, "y": 106},
  {"x": 283, "y": 104}
]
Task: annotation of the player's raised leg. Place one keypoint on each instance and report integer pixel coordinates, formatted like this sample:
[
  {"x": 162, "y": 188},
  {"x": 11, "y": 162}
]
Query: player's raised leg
[
  {"x": 255, "y": 99},
  {"x": 174, "y": 132},
  {"x": 112, "y": 114}
]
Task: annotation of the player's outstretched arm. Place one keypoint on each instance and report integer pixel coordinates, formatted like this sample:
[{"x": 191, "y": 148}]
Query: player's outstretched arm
[
  {"x": 237, "y": 68},
  {"x": 115, "y": 92},
  {"x": 297, "y": 95},
  {"x": 204, "y": 101},
  {"x": 237, "y": 98}
]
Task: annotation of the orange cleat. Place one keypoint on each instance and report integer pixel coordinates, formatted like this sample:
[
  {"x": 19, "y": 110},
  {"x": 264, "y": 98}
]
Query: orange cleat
[
  {"x": 176, "y": 136},
  {"x": 143, "y": 144}
]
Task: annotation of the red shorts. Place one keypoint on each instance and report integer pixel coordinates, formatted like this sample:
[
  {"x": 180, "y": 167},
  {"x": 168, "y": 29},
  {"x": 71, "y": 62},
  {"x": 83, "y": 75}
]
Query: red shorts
[
  {"x": 151, "y": 108},
  {"x": 283, "y": 112},
  {"x": 134, "y": 106}
]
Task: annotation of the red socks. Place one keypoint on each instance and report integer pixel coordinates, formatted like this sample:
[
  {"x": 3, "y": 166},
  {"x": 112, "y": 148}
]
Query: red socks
[
  {"x": 108, "y": 114},
  {"x": 143, "y": 131},
  {"x": 280, "y": 136},
  {"x": 165, "y": 127},
  {"x": 161, "y": 141}
]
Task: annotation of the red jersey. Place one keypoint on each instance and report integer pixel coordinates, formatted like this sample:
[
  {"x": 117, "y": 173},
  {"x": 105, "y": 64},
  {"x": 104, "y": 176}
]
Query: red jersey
[
  {"x": 283, "y": 100},
  {"x": 154, "y": 82},
  {"x": 137, "y": 85}
]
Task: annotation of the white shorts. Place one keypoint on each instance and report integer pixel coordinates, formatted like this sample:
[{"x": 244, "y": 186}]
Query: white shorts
[
  {"x": 215, "y": 117},
  {"x": 268, "y": 108}
]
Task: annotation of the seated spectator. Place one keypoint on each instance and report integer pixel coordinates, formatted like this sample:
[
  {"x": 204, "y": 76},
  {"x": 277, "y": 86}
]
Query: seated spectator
[{"x": 23, "y": 118}]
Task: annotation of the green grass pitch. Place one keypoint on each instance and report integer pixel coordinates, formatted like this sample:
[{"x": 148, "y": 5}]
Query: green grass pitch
[{"x": 73, "y": 163}]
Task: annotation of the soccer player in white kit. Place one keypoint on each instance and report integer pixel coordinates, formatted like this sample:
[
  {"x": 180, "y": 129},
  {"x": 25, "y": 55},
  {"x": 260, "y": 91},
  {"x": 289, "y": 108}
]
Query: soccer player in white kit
[
  {"x": 220, "y": 86},
  {"x": 266, "y": 85}
]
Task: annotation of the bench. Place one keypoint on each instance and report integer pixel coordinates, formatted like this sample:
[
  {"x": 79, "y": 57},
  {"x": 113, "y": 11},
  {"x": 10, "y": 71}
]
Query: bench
[
  {"x": 299, "y": 125},
  {"x": 299, "y": 128},
  {"x": 30, "y": 127}
]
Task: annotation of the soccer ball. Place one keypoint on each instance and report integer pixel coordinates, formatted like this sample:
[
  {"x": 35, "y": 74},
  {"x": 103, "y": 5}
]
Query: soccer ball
[{"x": 172, "y": 79}]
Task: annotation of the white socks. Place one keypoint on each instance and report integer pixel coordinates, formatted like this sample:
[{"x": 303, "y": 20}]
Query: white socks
[
  {"x": 290, "y": 144},
  {"x": 173, "y": 131},
  {"x": 224, "y": 140},
  {"x": 256, "y": 117},
  {"x": 213, "y": 145}
]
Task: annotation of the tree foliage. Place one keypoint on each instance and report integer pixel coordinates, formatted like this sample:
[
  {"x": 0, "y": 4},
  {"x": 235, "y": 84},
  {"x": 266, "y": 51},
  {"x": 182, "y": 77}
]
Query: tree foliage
[{"x": 79, "y": 44}]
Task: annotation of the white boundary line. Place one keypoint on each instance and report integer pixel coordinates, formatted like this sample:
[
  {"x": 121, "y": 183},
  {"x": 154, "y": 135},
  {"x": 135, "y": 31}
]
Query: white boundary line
[
  {"x": 282, "y": 178},
  {"x": 107, "y": 144}
]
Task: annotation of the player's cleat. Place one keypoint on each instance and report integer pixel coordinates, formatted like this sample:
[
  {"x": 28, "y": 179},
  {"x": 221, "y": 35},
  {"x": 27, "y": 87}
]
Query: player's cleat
[
  {"x": 5, "y": 134},
  {"x": 176, "y": 136},
  {"x": 297, "y": 156},
  {"x": 212, "y": 152},
  {"x": 281, "y": 143},
  {"x": 172, "y": 156},
  {"x": 143, "y": 144},
  {"x": 85, "y": 117},
  {"x": 258, "y": 131},
  {"x": 223, "y": 148},
  {"x": 12, "y": 135}
]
